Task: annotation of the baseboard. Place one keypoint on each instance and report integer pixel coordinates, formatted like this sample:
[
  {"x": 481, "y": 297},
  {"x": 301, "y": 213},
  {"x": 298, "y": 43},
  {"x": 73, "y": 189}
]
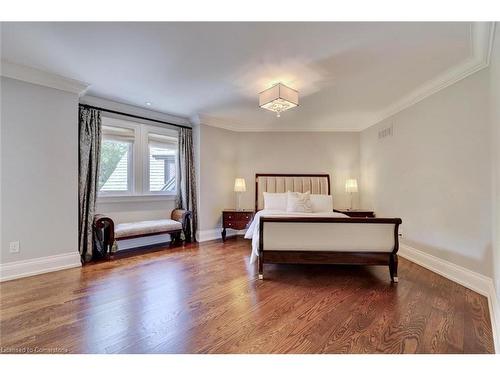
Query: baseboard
[
  {"x": 31, "y": 267},
  {"x": 463, "y": 276},
  {"x": 214, "y": 234},
  {"x": 208, "y": 235}
]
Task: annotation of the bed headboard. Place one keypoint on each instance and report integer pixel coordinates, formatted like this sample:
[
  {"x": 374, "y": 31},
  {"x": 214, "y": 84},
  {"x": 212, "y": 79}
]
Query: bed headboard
[{"x": 281, "y": 183}]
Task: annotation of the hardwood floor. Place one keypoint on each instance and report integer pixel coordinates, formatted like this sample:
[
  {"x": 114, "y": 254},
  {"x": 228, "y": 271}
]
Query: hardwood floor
[{"x": 207, "y": 299}]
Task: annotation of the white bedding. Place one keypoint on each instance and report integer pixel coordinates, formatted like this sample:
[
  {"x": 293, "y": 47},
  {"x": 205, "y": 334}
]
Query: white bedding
[{"x": 253, "y": 230}]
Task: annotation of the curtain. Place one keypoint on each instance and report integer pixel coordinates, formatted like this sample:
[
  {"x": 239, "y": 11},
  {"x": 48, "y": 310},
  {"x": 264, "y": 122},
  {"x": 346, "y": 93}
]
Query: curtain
[
  {"x": 186, "y": 187},
  {"x": 88, "y": 172}
]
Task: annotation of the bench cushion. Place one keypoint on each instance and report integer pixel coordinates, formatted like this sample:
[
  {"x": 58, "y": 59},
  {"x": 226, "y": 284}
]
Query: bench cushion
[{"x": 139, "y": 228}]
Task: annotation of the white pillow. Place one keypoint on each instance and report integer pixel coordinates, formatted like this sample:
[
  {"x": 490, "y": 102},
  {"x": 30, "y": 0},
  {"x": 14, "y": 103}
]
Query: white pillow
[
  {"x": 275, "y": 201},
  {"x": 298, "y": 202},
  {"x": 321, "y": 203}
]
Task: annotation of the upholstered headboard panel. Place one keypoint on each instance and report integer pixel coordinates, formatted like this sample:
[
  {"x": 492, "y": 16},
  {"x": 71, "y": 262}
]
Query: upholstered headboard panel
[{"x": 281, "y": 183}]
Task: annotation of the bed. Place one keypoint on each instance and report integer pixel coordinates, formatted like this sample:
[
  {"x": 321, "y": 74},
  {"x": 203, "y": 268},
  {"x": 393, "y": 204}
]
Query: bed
[{"x": 326, "y": 237}]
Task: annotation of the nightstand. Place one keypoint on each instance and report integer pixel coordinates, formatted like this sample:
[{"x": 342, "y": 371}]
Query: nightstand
[
  {"x": 356, "y": 213},
  {"x": 234, "y": 219}
]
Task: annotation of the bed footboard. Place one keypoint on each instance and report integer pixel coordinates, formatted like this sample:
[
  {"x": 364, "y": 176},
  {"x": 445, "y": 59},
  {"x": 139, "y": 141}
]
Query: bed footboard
[{"x": 316, "y": 240}]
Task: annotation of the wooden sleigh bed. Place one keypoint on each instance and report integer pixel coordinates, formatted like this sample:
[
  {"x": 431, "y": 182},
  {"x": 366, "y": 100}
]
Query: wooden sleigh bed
[{"x": 321, "y": 240}]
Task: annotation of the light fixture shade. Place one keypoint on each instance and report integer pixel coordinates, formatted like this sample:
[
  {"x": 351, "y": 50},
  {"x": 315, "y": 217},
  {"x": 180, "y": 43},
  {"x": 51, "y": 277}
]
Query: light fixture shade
[
  {"x": 239, "y": 185},
  {"x": 351, "y": 185},
  {"x": 278, "y": 98}
]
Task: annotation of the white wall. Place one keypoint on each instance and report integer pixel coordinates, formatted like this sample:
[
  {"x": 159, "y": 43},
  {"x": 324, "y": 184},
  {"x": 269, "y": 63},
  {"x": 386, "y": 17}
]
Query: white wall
[
  {"x": 217, "y": 161},
  {"x": 435, "y": 173},
  {"x": 39, "y": 170},
  {"x": 495, "y": 127},
  {"x": 225, "y": 155},
  {"x": 335, "y": 153}
]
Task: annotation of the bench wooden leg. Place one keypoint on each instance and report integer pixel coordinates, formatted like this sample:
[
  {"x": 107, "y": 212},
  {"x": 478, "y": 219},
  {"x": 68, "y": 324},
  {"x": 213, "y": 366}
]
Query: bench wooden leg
[
  {"x": 393, "y": 268},
  {"x": 175, "y": 238},
  {"x": 187, "y": 233}
]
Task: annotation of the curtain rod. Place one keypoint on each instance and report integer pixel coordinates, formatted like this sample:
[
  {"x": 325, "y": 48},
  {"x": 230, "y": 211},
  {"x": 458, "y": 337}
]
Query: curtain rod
[{"x": 134, "y": 116}]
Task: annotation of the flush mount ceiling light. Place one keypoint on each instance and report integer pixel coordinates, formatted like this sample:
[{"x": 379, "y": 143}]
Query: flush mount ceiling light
[{"x": 278, "y": 98}]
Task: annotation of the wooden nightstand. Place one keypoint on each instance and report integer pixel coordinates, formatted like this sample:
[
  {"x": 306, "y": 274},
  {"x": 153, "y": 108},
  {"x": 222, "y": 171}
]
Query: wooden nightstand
[
  {"x": 233, "y": 219},
  {"x": 356, "y": 213}
]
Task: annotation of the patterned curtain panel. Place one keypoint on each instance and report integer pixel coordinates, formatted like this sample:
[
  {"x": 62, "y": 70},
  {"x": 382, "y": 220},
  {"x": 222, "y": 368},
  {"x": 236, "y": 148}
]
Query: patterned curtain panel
[
  {"x": 90, "y": 147},
  {"x": 186, "y": 188}
]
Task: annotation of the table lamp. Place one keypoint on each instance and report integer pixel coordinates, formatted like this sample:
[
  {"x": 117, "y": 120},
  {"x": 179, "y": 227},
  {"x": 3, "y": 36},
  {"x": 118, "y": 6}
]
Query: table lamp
[{"x": 239, "y": 187}]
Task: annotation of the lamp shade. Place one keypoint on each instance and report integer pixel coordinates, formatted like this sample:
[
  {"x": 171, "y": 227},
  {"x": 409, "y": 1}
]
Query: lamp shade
[
  {"x": 278, "y": 98},
  {"x": 351, "y": 185},
  {"x": 239, "y": 185}
]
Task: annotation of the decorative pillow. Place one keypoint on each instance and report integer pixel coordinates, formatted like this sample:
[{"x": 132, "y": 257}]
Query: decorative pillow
[
  {"x": 321, "y": 203},
  {"x": 298, "y": 202},
  {"x": 275, "y": 201}
]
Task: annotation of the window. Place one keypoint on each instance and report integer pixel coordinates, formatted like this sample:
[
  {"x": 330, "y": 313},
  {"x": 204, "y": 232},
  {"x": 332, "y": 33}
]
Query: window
[
  {"x": 114, "y": 172},
  {"x": 137, "y": 159},
  {"x": 116, "y": 163},
  {"x": 162, "y": 163}
]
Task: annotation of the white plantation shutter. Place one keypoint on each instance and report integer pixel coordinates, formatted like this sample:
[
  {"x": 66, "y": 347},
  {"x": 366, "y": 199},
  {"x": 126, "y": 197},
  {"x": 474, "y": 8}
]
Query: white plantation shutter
[
  {"x": 160, "y": 140},
  {"x": 118, "y": 134}
]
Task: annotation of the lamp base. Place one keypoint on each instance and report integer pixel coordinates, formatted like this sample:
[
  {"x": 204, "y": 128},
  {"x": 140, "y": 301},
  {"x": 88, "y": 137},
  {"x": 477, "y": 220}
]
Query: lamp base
[{"x": 238, "y": 201}]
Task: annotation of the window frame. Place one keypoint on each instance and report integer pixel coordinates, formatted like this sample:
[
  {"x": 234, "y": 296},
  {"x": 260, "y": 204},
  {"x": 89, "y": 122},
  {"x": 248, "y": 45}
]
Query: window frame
[{"x": 138, "y": 168}]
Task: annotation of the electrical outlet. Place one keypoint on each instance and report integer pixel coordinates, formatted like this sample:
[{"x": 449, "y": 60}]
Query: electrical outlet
[{"x": 14, "y": 247}]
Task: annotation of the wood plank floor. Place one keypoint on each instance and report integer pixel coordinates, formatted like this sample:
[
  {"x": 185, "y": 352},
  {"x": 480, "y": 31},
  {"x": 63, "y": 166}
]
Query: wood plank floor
[{"x": 207, "y": 299}]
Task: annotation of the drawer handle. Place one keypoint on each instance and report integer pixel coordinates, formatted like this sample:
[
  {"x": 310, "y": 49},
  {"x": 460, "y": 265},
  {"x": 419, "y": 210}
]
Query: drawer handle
[
  {"x": 230, "y": 216},
  {"x": 229, "y": 224}
]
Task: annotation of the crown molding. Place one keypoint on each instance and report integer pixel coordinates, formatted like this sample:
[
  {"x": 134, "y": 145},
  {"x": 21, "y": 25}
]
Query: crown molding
[
  {"x": 221, "y": 123},
  {"x": 235, "y": 126},
  {"x": 481, "y": 40},
  {"x": 481, "y": 43},
  {"x": 42, "y": 78}
]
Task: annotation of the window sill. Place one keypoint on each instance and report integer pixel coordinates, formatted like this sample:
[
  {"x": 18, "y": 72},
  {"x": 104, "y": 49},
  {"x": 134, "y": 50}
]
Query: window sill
[{"x": 136, "y": 198}]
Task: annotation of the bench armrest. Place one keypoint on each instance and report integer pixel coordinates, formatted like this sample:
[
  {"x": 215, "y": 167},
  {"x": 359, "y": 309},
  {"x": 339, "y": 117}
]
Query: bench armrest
[
  {"x": 103, "y": 221},
  {"x": 106, "y": 224},
  {"x": 183, "y": 217}
]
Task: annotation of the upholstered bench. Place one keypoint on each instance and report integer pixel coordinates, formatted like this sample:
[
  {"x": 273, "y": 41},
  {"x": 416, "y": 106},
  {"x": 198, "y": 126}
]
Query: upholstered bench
[{"x": 107, "y": 232}]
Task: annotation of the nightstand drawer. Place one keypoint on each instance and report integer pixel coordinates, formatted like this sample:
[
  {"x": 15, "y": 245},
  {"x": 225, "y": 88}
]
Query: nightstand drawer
[
  {"x": 237, "y": 216},
  {"x": 245, "y": 216},
  {"x": 236, "y": 224}
]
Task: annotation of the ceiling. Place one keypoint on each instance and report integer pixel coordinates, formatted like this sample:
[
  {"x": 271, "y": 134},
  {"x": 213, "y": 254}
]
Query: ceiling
[{"x": 349, "y": 75}]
